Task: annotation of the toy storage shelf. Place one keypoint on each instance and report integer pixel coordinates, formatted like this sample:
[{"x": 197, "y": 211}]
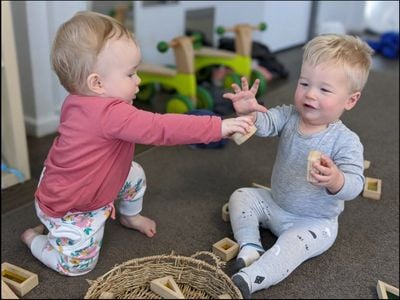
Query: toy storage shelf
[{"x": 14, "y": 149}]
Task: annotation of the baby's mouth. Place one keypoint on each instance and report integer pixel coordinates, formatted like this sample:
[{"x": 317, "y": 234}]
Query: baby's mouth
[{"x": 309, "y": 106}]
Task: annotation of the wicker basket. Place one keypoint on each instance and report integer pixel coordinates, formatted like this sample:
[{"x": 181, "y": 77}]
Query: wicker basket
[{"x": 196, "y": 278}]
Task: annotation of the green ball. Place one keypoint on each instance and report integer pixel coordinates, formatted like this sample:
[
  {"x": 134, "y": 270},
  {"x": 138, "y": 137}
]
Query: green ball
[
  {"x": 162, "y": 46},
  {"x": 263, "y": 26},
  {"x": 220, "y": 30}
]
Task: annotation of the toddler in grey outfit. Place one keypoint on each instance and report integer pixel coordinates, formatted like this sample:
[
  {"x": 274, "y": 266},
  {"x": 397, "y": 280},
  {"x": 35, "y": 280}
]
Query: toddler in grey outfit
[{"x": 303, "y": 215}]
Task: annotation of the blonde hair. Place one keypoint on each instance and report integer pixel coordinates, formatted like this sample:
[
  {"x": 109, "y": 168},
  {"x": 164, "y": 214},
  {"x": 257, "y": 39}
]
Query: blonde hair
[
  {"x": 346, "y": 51},
  {"x": 77, "y": 45}
]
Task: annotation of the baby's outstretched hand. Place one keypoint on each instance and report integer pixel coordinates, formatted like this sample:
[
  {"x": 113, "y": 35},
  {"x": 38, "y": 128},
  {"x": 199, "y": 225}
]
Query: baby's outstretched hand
[
  {"x": 233, "y": 125},
  {"x": 244, "y": 100},
  {"x": 328, "y": 174}
]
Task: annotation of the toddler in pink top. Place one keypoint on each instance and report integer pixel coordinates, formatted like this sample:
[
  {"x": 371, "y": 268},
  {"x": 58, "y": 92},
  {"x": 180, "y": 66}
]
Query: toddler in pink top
[{"x": 89, "y": 165}]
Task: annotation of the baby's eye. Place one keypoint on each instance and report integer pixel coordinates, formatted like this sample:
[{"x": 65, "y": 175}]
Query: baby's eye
[
  {"x": 131, "y": 74},
  {"x": 303, "y": 83},
  {"x": 325, "y": 90}
]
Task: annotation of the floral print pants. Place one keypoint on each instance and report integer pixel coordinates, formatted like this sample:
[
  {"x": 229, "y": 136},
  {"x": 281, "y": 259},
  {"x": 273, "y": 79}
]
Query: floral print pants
[{"x": 72, "y": 246}]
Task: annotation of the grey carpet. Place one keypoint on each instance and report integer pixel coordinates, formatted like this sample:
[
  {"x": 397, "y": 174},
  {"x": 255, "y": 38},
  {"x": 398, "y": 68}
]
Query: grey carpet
[{"x": 187, "y": 188}]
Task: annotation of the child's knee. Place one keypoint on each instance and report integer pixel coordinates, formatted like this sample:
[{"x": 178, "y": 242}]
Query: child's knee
[
  {"x": 239, "y": 198},
  {"x": 137, "y": 171}
]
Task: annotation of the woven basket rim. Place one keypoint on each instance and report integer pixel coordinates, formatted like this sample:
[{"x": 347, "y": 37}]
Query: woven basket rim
[{"x": 172, "y": 256}]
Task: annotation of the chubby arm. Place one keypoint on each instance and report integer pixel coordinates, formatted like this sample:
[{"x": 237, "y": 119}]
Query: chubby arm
[
  {"x": 125, "y": 122},
  {"x": 244, "y": 99}
]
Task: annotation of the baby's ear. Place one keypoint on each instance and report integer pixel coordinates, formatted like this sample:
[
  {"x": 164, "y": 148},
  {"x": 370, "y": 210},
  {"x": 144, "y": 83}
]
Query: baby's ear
[
  {"x": 352, "y": 100},
  {"x": 94, "y": 83}
]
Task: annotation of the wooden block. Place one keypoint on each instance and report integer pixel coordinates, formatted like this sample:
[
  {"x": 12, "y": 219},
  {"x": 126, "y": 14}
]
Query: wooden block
[
  {"x": 367, "y": 163},
  {"x": 6, "y": 292},
  {"x": 384, "y": 290},
  {"x": 372, "y": 188},
  {"x": 260, "y": 186},
  {"x": 224, "y": 296},
  {"x": 241, "y": 138},
  {"x": 18, "y": 279},
  {"x": 226, "y": 249},
  {"x": 107, "y": 295},
  {"x": 225, "y": 212},
  {"x": 166, "y": 287},
  {"x": 313, "y": 156}
]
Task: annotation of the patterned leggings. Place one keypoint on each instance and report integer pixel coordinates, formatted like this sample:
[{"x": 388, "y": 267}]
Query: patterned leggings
[
  {"x": 299, "y": 238},
  {"x": 72, "y": 246}
]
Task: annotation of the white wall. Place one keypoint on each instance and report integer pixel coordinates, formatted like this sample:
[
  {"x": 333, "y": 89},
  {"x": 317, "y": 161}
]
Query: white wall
[
  {"x": 164, "y": 22},
  {"x": 38, "y": 21},
  {"x": 340, "y": 16}
]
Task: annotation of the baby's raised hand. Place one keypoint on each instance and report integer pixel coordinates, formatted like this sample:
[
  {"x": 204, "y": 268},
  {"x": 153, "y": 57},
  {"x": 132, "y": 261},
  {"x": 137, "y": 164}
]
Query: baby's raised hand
[
  {"x": 232, "y": 125},
  {"x": 328, "y": 174},
  {"x": 244, "y": 100}
]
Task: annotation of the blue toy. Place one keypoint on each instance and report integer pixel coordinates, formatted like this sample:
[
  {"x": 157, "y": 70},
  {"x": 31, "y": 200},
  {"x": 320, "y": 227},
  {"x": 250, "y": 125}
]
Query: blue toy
[{"x": 388, "y": 45}]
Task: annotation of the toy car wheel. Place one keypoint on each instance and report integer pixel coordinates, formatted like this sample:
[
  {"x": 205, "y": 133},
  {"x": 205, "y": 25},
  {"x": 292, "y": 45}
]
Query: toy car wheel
[
  {"x": 231, "y": 78},
  {"x": 262, "y": 88},
  {"x": 179, "y": 104},
  {"x": 204, "y": 99},
  {"x": 146, "y": 92}
]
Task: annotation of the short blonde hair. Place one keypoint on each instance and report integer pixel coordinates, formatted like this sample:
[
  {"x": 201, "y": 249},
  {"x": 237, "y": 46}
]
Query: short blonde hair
[
  {"x": 347, "y": 51},
  {"x": 77, "y": 45}
]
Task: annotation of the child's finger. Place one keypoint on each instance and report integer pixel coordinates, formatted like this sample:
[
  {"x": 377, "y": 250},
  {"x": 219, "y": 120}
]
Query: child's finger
[
  {"x": 254, "y": 87},
  {"x": 236, "y": 88},
  {"x": 245, "y": 84},
  {"x": 228, "y": 96},
  {"x": 261, "y": 108}
]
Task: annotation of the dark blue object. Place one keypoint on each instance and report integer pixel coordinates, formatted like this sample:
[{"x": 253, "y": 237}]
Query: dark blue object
[
  {"x": 212, "y": 145},
  {"x": 388, "y": 45}
]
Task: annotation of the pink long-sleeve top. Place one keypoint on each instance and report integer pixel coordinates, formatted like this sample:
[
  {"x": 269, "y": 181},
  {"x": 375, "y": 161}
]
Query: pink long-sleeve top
[{"x": 90, "y": 159}]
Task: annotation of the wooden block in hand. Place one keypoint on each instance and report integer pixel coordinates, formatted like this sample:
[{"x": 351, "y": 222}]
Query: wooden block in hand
[
  {"x": 313, "y": 156},
  {"x": 241, "y": 138}
]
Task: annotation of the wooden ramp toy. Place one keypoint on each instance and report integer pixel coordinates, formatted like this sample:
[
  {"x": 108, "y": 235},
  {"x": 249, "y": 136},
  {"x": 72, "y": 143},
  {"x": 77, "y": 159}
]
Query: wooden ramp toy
[
  {"x": 6, "y": 292},
  {"x": 241, "y": 138},
  {"x": 387, "y": 291},
  {"x": 166, "y": 287},
  {"x": 18, "y": 279}
]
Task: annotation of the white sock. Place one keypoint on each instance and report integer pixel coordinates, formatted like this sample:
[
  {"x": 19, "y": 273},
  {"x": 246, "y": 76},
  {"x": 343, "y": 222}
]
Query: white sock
[{"x": 250, "y": 253}]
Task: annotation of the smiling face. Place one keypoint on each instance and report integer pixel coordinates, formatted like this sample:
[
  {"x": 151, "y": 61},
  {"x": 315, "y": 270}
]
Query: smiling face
[
  {"x": 322, "y": 94},
  {"x": 116, "y": 68}
]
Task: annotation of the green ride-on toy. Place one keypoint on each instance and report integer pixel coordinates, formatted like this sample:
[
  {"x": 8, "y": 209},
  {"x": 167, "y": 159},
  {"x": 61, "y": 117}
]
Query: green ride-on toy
[
  {"x": 240, "y": 61},
  {"x": 188, "y": 95}
]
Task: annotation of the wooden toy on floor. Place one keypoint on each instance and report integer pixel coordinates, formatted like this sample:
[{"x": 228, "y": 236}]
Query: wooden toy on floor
[
  {"x": 241, "y": 138},
  {"x": 226, "y": 249},
  {"x": 386, "y": 291},
  {"x": 6, "y": 292},
  {"x": 313, "y": 156},
  {"x": 367, "y": 163},
  {"x": 372, "y": 188},
  {"x": 18, "y": 279},
  {"x": 260, "y": 186},
  {"x": 225, "y": 212},
  {"x": 166, "y": 287}
]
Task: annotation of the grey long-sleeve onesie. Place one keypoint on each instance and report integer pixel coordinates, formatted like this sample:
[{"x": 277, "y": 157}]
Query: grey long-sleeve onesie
[{"x": 302, "y": 216}]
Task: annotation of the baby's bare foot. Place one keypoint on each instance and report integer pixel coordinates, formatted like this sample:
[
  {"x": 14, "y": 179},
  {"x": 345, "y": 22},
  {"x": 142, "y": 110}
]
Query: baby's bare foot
[
  {"x": 140, "y": 223},
  {"x": 31, "y": 233}
]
